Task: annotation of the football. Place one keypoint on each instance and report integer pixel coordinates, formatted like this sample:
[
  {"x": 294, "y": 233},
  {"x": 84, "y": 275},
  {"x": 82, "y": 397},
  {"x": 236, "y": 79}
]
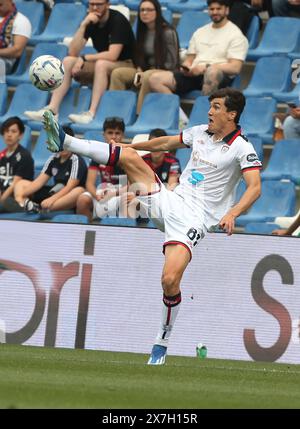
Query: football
[{"x": 46, "y": 72}]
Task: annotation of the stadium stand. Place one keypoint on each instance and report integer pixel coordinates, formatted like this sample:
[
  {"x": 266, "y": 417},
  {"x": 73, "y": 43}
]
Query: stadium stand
[
  {"x": 188, "y": 5},
  {"x": 69, "y": 218},
  {"x": 273, "y": 42},
  {"x": 40, "y": 153},
  {"x": 158, "y": 111},
  {"x": 284, "y": 162},
  {"x": 258, "y": 118},
  {"x": 183, "y": 156},
  {"x": 260, "y": 228},
  {"x": 76, "y": 100},
  {"x": 188, "y": 23},
  {"x": 35, "y": 13},
  {"x": 277, "y": 198},
  {"x": 3, "y": 98},
  {"x": 286, "y": 96},
  {"x": 25, "y": 97},
  {"x": 58, "y": 27},
  {"x": 271, "y": 74},
  {"x": 112, "y": 103}
]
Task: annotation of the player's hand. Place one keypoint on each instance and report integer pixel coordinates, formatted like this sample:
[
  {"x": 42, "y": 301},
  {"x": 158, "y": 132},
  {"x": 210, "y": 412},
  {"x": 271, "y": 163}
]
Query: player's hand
[
  {"x": 105, "y": 194},
  {"x": 197, "y": 70},
  {"x": 279, "y": 232},
  {"x": 227, "y": 223}
]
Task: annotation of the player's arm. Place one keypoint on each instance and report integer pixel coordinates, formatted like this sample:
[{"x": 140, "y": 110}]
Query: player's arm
[
  {"x": 173, "y": 181},
  {"x": 166, "y": 143},
  {"x": 112, "y": 54},
  {"x": 253, "y": 184},
  {"x": 232, "y": 67}
]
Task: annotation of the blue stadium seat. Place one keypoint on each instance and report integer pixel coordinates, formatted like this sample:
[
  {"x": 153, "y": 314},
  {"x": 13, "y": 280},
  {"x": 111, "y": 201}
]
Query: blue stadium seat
[
  {"x": 70, "y": 218},
  {"x": 183, "y": 156},
  {"x": 58, "y": 27},
  {"x": 18, "y": 69},
  {"x": 258, "y": 146},
  {"x": 284, "y": 162},
  {"x": 258, "y": 118},
  {"x": 277, "y": 199},
  {"x": 273, "y": 42},
  {"x": 286, "y": 96},
  {"x": 158, "y": 111},
  {"x": 253, "y": 32},
  {"x": 25, "y": 141},
  {"x": 188, "y": 5},
  {"x": 188, "y": 23},
  {"x": 20, "y": 216},
  {"x": 294, "y": 55},
  {"x": 118, "y": 221},
  {"x": 35, "y": 13},
  {"x": 40, "y": 153},
  {"x": 59, "y": 51},
  {"x": 260, "y": 228},
  {"x": 26, "y": 97},
  {"x": 112, "y": 103},
  {"x": 271, "y": 74},
  {"x": 199, "y": 113},
  {"x": 3, "y": 98},
  {"x": 76, "y": 100}
]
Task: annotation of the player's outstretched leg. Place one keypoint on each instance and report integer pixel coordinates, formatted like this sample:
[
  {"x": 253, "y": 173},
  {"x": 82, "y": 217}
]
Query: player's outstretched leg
[
  {"x": 55, "y": 133},
  {"x": 58, "y": 140}
]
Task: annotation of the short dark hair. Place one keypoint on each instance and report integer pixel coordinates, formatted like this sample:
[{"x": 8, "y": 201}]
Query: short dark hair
[
  {"x": 68, "y": 130},
  {"x": 221, "y": 2},
  {"x": 156, "y": 132},
  {"x": 114, "y": 122},
  {"x": 12, "y": 121},
  {"x": 234, "y": 100}
]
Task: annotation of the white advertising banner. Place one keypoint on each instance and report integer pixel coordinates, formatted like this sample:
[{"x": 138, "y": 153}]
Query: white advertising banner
[{"x": 98, "y": 287}]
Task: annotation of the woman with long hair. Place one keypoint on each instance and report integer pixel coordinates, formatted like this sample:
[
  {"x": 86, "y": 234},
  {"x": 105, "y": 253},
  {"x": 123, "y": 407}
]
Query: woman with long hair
[{"x": 157, "y": 48}]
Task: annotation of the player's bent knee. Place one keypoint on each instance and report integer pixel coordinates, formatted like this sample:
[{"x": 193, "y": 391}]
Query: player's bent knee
[{"x": 170, "y": 282}]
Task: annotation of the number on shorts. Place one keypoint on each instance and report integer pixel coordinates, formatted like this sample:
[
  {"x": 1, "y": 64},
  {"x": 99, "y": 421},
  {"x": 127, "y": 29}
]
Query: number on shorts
[{"x": 193, "y": 235}]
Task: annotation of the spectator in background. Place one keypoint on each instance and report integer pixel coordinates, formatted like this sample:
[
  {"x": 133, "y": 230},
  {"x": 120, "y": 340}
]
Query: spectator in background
[
  {"x": 94, "y": 203},
  {"x": 16, "y": 163},
  {"x": 157, "y": 48},
  {"x": 286, "y": 7},
  {"x": 291, "y": 229},
  {"x": 164, "y": 164},
  {"x": 291, "y": 125},
  {"x": 215, "y": 56},
  {"x": 15, "y": 30},
  {"x": 68, "y": 171},
  {"x": 112, "y": 37}
]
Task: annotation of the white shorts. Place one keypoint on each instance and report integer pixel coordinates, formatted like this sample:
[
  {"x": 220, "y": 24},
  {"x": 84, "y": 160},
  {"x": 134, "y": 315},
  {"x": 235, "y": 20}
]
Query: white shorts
[
  {"x": 103, "y": 209},
  {"x": 171, "y": 215}
]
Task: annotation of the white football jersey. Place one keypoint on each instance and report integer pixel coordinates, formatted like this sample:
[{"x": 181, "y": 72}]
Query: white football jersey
[{"x": 209, "y": 181}]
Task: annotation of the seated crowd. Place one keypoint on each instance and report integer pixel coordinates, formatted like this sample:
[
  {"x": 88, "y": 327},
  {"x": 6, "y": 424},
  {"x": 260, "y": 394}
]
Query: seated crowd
[{"x": 146, "y": 60}]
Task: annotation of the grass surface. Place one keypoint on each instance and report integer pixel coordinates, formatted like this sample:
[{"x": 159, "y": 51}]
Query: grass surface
[{"x": 36, "y": 377}]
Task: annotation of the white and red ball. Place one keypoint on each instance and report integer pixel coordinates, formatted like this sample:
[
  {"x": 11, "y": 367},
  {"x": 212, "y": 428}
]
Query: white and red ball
[{"x": 46, "y": 72}]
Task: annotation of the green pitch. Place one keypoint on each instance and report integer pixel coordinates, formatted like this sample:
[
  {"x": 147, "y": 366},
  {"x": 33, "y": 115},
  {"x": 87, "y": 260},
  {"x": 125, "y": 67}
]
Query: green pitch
[{"x": 34, "y": 377}]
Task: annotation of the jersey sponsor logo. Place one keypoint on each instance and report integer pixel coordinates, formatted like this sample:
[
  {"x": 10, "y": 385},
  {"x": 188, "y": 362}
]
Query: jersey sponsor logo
[{"x": 252, "y": 157}]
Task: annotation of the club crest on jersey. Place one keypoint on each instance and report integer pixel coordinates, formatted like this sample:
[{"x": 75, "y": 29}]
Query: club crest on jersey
[
  {"x": 54, "y": 171},
  {"x": 164, "y": 175},
  {"x": 225, "y": 148}
]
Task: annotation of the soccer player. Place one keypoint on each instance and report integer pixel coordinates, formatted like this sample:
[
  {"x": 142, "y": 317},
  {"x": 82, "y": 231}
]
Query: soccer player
[{"x": 205, "y": 196}]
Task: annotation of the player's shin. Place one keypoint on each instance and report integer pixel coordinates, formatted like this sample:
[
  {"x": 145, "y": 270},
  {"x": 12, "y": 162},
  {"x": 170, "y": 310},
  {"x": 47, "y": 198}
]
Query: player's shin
[
  {"x": 100, "y": 152},
  {"x": 170, "y": 309}
]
